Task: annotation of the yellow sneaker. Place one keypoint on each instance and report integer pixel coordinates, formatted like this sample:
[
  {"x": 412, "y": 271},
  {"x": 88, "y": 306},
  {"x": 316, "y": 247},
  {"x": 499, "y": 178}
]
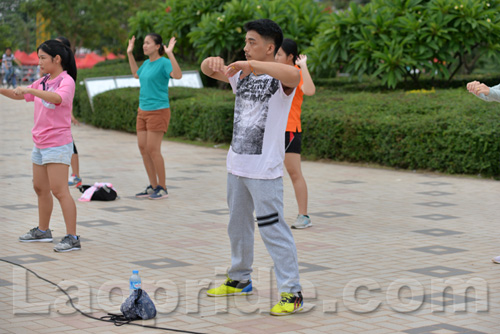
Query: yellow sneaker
[
  {"x": 288, "y": 304},
  {"x": 231, "y": 288}
]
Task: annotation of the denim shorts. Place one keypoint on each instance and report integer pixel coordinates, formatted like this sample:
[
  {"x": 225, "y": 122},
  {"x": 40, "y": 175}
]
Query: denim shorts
[{"x": 52, "y": 155}]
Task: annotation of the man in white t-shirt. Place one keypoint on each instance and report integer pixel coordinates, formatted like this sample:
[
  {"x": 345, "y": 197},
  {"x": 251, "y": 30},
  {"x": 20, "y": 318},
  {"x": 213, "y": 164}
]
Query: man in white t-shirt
[{"x": 264, "y": 92}]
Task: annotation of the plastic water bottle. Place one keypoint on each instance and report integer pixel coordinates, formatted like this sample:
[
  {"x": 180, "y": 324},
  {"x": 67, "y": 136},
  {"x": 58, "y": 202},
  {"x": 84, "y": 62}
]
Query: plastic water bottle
[{"x": 135, "y": 281}]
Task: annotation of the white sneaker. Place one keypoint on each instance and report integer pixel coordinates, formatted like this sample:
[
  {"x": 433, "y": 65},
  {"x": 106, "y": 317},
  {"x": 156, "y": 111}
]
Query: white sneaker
[
  {"x": 496, "y": 259},
  {"x": 302, "y": 222},
  {"x": 74, "y": 181}
]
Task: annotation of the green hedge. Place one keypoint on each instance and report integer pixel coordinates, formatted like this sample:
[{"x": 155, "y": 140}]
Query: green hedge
[
  {"x": 449, "y": 131},
  {"x": 81, "y": 104},
  {"x": 353, "y": 84},
  {"x": 116, "y": 67},
  {"x": 205, "y": 115}
]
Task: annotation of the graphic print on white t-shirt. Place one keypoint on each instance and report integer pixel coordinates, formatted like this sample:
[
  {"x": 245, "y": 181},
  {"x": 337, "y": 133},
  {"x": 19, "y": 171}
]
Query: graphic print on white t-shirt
[{"x": 250, "y": 113}]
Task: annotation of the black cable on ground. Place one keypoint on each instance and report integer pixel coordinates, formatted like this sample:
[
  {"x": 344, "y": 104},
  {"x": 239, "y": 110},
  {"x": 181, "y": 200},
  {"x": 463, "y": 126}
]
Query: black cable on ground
[{"x": 117, "y": 320}]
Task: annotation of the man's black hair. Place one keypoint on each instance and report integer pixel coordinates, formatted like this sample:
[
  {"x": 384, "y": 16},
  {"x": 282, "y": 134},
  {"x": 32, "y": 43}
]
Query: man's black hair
[{"x": 267, "y": 29}]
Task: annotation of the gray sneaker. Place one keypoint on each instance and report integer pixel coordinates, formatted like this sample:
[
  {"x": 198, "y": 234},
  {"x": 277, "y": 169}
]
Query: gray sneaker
[
  {"x": 302, "y": 222},
  {"x": 35, "y": 235},
  {"x": 68, "y": 243}
]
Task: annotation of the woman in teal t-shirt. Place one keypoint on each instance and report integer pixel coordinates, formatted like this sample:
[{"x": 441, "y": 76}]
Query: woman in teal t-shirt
[{"x": 153, "y": 114}]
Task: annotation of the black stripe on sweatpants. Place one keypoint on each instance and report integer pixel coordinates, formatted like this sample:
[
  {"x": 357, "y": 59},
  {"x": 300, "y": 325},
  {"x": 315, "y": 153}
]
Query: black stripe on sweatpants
[
  {"x": 272, "y": 215},
  {"x": 268, "y": 223}
]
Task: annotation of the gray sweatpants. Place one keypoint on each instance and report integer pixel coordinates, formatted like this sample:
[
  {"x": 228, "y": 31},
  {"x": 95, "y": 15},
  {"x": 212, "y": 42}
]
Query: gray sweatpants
[{"x": 265, "y": 197}]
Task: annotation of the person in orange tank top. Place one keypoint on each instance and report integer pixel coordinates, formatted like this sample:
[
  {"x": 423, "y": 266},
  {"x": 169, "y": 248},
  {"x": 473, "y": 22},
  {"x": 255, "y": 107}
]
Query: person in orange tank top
[{"x": 288, "y": 54}]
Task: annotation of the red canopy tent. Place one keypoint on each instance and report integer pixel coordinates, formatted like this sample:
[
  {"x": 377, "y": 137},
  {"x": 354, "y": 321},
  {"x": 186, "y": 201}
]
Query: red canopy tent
[
  {"x": 96, "y": 57},
  {"x": 19, "y": 53},
  {"x": 111, "y": 56},
  {"x": 78, "y": 62},
  {"x": 87, "y": 62},
  {"x": 26, "y": 59}
]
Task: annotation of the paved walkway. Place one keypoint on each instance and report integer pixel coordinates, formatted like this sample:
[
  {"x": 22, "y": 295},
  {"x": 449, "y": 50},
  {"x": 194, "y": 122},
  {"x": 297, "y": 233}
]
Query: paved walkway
[{"x": 383, "y": 248}]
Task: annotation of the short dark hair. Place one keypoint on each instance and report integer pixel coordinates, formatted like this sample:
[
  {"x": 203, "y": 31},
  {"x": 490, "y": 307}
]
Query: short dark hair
[
  {"x": 8, "y": 48},
  {"x": 290, "y": 48},
  {"x": 267, "y": 29},
  {"x": 158, "y": 40}
]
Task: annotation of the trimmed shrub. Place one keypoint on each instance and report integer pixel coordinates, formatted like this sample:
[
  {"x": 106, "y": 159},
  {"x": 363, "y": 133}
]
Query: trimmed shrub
[
  {"x": 367, "y": 84},
  {"x": 116, "y": 109},
  {"x": 449, "y": 131},
  {"x": 81, "y": 105},
  {"x": 205, "y": 115},
  {"x": 208, "y": 116}
]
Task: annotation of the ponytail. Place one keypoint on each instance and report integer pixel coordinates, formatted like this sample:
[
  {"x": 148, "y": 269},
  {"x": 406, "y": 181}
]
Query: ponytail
[
  {"x": 69, "y": 64},
  {"x": 53, "y": 48},
  {"x": 161, "y": 50}
]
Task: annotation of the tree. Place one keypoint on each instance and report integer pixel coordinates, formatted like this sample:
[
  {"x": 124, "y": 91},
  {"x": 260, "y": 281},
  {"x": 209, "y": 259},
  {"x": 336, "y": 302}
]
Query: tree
[
  {"x": 215, "y": 27},
  {"x": 17, "y": 26},
  {"x": 399, "y": 39},
  {"x": 221, "y": 33},
  {"x": 92, "y": 24}
]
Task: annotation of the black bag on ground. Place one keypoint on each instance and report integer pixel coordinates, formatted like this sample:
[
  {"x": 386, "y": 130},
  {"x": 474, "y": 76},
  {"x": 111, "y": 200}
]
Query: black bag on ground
[
  {"x": 138, "y": 306},
  {"x": 102, "y": 194}
]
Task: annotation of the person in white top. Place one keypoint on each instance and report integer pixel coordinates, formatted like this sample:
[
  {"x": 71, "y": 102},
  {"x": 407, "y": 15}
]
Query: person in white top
[
  {"x": 264, "y": 92},
  {"x": 7, "y": 68}
]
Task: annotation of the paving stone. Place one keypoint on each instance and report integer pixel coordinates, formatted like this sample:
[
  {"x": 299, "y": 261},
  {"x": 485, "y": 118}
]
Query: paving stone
[
  {"x": 436, "y": 217},
  {"x": 436, "y": 204},
  {"x": 438, "y": 232},
  {"x": 441, "y": 328},
  {"x": 439, "y": 250},
  {"x": 440, "y": 271}
]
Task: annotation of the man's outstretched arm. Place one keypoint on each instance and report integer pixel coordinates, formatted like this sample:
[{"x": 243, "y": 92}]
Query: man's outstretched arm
[
  {"x": 288, "y": 75},
  {"x": 214, "y": 67}
]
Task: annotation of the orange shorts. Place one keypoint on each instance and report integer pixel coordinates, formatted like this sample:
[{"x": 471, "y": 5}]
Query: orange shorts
[{"x": 153, "y": 120}]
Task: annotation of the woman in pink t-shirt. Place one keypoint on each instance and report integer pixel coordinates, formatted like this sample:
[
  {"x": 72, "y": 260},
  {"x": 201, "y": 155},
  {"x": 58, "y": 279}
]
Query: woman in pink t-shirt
[{"x": 53, "y": 97}]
